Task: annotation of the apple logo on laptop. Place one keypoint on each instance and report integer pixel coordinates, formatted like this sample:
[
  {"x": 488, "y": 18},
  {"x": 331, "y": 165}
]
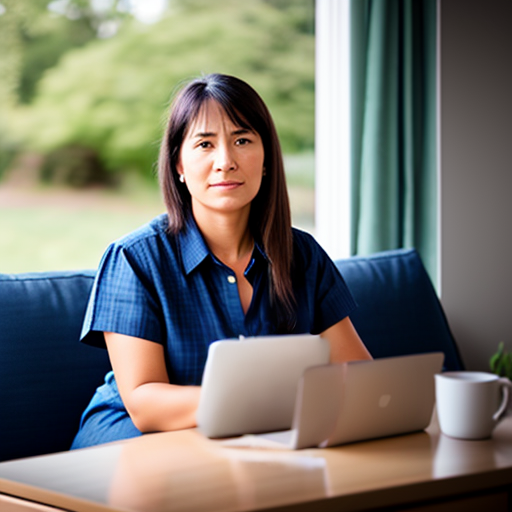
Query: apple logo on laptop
[{"x": 384, "y": 401}]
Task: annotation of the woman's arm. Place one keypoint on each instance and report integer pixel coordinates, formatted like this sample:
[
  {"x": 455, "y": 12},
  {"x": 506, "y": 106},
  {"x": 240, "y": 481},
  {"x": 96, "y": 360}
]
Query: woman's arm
[
  {"x": 346, "y": 345},
  {"x": 141, "y": 376}
]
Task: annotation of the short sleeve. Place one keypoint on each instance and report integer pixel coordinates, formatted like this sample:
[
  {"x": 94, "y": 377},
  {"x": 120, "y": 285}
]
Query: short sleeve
[
  {"x": 122, "y": 300},
  {"x": 329, "y": 299},
  {"x": 334, "y": 299}
]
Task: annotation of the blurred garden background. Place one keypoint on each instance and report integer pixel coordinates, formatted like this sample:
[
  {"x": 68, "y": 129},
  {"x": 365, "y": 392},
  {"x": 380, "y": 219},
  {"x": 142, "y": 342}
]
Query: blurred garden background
[{"x": 85, "y": 87}]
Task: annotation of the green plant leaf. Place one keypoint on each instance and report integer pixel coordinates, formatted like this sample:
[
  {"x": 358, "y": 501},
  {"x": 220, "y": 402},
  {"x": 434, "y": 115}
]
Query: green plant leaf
[{"x": 500, "y": 363}]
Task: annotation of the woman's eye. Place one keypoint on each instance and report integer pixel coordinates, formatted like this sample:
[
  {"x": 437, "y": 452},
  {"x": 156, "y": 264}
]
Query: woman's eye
[
  {"x": 242, "y": 142},
  {"x": 205, "y": 144}
]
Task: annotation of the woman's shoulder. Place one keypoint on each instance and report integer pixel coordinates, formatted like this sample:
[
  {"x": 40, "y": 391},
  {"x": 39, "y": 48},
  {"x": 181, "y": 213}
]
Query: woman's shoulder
[
  {"x": 143, "y": 250},
  {"x": 305, "y": 242},
  {"x": 149, "y": 242},
  {"x": 146, "y": 234},
  {"x": 307, "y": 252}
]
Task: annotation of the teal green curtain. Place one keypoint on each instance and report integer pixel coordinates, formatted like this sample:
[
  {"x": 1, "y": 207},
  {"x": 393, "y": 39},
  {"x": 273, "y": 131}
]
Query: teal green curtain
[{"x": 394, "y": 163}]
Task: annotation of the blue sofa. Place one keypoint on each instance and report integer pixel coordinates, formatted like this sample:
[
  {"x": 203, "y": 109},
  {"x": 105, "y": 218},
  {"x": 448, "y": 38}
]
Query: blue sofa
[{"x": 47, "y": 377}]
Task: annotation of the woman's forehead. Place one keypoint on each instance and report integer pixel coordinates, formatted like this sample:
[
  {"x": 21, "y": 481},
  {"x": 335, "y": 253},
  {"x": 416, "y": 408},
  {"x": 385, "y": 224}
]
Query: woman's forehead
[{"x": 211, "y": 113}]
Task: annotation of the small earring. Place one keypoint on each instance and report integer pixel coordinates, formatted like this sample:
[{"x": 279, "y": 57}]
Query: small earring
[
  {"x": 264, "y": 171},
  {"x": 182, "y": 178}
]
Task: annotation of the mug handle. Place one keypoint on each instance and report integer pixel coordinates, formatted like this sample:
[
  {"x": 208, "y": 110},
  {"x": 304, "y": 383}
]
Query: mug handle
[{"x": 506, "y": 386}]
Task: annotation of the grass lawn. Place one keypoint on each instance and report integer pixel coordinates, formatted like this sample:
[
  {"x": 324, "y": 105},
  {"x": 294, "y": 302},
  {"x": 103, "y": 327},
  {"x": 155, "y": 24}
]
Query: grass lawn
[
  {"x": 57, "y": 229},
  {"x": 54, "y": 230}
]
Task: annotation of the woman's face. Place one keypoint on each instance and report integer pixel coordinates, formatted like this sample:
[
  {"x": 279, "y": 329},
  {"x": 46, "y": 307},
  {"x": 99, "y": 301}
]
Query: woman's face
[{"x": 222, "y": 163}]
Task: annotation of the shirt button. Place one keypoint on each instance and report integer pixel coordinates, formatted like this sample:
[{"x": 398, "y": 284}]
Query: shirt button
[{"x": 231, "y": 279}]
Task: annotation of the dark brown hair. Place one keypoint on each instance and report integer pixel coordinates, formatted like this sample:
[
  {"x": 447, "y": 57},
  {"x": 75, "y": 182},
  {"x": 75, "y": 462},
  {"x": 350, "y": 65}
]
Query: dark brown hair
[{"x": 270, "y": 218}]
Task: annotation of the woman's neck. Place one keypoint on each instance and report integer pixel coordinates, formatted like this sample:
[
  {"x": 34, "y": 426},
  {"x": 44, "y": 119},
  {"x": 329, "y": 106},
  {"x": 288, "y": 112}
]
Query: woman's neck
[{"x": 227, "y": 235}]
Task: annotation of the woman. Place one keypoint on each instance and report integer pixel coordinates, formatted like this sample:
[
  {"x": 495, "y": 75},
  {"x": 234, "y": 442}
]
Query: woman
[{"x": 223, "y": 262}]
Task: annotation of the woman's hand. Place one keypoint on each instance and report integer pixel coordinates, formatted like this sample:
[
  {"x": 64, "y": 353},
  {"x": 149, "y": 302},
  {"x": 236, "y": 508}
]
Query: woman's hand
[
  {"x": 141, "y": 376},
  {"x": 346, "y": 345}
]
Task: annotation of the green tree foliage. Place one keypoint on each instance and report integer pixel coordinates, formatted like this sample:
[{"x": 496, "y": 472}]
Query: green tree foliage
[
  {"x": 112, "y": 95},
  {"x": 32, "y": 40}
]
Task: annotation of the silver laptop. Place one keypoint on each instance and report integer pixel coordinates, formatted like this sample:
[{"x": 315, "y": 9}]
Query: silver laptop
[
  {"x": 250, "y": 385},
  {"x": 356, "y": 401}
]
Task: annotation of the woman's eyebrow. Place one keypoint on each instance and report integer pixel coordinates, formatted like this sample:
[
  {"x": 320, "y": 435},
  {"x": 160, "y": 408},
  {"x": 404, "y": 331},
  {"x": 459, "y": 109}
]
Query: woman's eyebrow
[
  {"x": 239, "y": 131},
  {"x": 201, "y": 135}
]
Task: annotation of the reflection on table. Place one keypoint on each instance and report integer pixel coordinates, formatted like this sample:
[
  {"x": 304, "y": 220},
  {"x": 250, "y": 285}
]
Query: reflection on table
[{"x": 184, "y": 471}]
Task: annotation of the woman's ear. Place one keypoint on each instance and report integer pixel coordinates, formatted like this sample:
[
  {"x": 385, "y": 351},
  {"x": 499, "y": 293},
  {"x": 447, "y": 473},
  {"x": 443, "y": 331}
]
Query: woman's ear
[{"x": 179, "y": 170}]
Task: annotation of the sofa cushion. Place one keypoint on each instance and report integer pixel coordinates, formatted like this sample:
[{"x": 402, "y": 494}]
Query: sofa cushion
[
  {"x": 399, "y": 312},
  {"x": 47, "y": 376}
]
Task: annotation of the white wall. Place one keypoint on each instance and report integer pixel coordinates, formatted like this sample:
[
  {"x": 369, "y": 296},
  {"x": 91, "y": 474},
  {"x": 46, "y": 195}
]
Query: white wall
[{"x": 476, "y": 174}]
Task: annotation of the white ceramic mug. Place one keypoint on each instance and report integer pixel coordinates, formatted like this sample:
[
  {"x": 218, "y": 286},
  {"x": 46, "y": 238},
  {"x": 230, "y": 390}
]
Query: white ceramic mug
[{"x": 471, "y": 404}]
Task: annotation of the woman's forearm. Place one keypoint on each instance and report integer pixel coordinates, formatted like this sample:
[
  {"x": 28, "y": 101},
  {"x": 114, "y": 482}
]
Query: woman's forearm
[
  {"x": 159, "y": 406},
  {"x": 141, "y": 376},
  {"x": 346, "y": 345}
]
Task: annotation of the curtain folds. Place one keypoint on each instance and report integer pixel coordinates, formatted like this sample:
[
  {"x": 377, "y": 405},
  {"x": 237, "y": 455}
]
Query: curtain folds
[{"x": 394, "y": 163}]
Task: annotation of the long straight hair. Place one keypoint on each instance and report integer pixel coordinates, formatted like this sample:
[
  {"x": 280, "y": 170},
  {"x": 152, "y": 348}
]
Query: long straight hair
[{"x": 270, "y": 218}]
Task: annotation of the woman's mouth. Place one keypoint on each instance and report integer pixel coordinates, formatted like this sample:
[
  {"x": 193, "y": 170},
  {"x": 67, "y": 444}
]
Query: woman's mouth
[{"x": 226, "y": 185}]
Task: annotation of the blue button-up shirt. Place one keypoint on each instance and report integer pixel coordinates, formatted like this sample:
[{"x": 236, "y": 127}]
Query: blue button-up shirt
[{"x": 172, "y": 290}]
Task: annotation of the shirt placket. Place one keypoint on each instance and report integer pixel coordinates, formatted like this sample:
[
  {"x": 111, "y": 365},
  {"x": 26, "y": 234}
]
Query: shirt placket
[{"x": 233, "y": 307}]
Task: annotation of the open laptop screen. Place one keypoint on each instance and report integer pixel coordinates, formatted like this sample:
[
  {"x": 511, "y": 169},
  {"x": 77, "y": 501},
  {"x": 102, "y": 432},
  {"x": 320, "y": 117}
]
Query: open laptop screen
[{"x": 250, "y": 385}]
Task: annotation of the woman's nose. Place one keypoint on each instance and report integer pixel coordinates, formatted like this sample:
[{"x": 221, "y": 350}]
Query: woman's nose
[{"x": 224, "y": 158}]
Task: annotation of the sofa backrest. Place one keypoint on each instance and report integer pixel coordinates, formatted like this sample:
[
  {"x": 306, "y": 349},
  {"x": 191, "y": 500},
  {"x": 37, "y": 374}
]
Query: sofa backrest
[
  {"x": 399, "y": 312},
  {"x": 47, "y": 376}
]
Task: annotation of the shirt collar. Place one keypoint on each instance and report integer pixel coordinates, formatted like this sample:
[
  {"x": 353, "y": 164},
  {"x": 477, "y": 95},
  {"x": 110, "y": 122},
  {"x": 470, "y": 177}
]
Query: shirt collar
[
  {"x": 259, "y": 252},
  {"x": 259, "y": 258},
  {"x": 194, "y": 249}
]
